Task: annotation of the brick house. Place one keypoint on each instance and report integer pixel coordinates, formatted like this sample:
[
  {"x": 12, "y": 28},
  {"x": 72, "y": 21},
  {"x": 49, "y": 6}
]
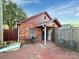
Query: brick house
[{"x": 40, "y": 25}]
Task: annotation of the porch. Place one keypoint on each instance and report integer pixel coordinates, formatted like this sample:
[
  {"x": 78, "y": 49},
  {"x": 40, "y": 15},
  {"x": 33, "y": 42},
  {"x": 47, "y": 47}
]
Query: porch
[{"x": 47, "y": 31}]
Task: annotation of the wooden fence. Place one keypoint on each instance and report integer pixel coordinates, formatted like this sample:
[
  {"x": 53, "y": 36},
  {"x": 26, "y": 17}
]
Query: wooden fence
[
  {"x": 67, "y": 33},
  {"x": 10, "y": 35}
]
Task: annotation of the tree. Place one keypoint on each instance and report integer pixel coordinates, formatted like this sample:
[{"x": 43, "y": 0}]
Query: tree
[{"x": 12, "y": 13}]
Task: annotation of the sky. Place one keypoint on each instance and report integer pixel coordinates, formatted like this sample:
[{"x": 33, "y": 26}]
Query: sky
[{"x": 66, "y": 11}]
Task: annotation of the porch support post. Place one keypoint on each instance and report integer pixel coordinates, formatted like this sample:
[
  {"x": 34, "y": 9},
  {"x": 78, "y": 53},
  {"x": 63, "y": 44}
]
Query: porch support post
[
  {"x": 45, "y": 36},
  {"x": 18, "y": 34}
]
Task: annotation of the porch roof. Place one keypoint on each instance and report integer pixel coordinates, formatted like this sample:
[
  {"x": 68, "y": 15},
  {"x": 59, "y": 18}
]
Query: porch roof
[{"x": 49, "y": 23}]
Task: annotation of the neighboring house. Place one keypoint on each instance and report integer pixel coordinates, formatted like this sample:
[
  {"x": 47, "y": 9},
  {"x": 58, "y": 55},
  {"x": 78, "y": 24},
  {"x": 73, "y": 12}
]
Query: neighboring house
[{"x": 41, "y": 26}]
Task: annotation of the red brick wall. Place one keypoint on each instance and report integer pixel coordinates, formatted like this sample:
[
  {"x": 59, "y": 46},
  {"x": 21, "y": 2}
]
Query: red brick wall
[{"x": 24, "y": 27}]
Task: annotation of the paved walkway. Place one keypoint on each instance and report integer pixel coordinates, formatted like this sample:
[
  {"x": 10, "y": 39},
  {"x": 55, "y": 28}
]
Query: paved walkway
[{"x": 39, "y": 51}]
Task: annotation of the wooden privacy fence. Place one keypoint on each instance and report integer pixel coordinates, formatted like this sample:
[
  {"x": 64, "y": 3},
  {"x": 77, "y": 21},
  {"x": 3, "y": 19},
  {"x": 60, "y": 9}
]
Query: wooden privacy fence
[
  {"x": 10, "y": 35},
  {"x": 67, "y": 36}
]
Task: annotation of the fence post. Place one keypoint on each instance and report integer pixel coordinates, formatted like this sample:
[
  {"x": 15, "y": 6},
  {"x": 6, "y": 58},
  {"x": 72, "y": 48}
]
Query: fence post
[
  {"x": 18, "y": 34},
  {"x": 72, "y": 33},
  {"x": 1, "y": 22}
]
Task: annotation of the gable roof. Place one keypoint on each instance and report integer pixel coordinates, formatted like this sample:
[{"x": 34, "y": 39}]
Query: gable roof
[
  {"x": 30, "y": 18},
  {"x": 57, "y": 22}
]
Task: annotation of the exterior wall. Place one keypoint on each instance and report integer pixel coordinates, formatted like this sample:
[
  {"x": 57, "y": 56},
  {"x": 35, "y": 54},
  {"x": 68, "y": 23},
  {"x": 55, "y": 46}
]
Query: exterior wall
[
  {"x": 38, "y": 34},
  {"x": 27, "y": 25},
  {"x": 24, "y": 27}
]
